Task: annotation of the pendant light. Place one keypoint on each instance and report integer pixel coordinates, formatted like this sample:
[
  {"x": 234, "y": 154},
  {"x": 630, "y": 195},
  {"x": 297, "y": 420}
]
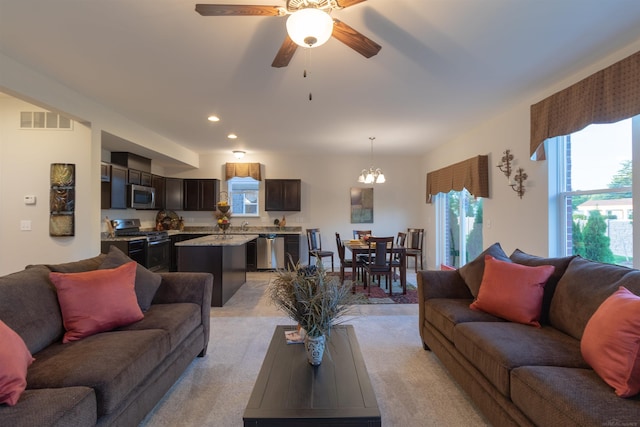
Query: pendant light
[{"x": 371, "y": 175}]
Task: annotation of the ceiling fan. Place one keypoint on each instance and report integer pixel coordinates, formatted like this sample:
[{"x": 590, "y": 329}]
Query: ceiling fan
[{"x": 303, "y": 14}]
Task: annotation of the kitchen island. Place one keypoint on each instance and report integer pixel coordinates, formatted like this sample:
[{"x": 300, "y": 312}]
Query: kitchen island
[{"x": 223, "y": 256}]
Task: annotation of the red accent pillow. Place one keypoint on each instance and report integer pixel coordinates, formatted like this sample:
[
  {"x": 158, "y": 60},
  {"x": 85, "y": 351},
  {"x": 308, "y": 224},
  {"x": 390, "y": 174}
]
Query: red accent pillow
[
  {"x": 611, "y": 342},
  {"x": 15, "y": 358},
  {"x": 97, "y": 301},
  {"x": 445, "y": 267},
  {"x": 512, "y": 291}
]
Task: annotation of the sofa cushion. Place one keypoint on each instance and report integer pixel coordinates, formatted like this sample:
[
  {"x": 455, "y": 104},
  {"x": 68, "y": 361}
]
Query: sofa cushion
[
  {"x": 178, "y": 320},
  {"x": 581, "y": 290},
  {"x": 96, "y": 301},
  {"x": 558, "y": 396},
  {"x": 498, "y": 347},
  {"x": 445, "y": 313},
  {"x": 147, "y": 282},
  {"x": 512, "y": 291},
  {"x": 560, "y": 265},
  {"x": 15, "y": 358},
  {"x": 112, "y": 363},
  {"x": 78, "y": 266},
  {"x": 38, "y": 321},
  {"x": 472, "y": 271},
  {"x": 54, "y": 407},
  {"x": 611, "y": 342}
]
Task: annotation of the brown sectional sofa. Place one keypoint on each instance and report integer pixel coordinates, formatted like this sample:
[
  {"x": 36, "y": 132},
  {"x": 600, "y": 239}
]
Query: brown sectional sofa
[
  {"x": 519, "y": 375},
  {"x": 112, "y": 378}
]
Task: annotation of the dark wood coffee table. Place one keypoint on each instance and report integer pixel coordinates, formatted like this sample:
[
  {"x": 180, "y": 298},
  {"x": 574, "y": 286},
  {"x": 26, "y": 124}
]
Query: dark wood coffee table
[{"x": 291, "y": 392}]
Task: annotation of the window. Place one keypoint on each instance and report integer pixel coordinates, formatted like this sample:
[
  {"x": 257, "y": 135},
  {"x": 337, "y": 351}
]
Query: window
[
  {"x": 594, "y": 197},
  {"x": 459, "y": 227},
  {"x": 244, "y": 196}
]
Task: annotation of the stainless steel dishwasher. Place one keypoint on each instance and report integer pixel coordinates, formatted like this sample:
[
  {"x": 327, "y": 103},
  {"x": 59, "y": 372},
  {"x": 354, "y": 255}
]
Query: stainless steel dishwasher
[{"x": 270, "y": 252}]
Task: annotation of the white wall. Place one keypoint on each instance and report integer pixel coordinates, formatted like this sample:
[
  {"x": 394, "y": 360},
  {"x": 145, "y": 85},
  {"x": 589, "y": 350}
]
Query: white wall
[
  {"x": 25, "y": 159},
  {"x": 515, "y": 223}
]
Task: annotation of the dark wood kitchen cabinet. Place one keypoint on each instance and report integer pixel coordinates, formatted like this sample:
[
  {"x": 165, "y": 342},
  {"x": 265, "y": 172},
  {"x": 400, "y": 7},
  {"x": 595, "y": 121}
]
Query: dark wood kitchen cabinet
[
  {"x": 173, "y": 194},
  {"x": 114, "y": 191},
  {"x": 282, "y": 194},
  {"x": 201, "y": 194},
  {"x": 252, "y": 255},
  {"x": 139, "y": 178},
  {"x": 158, "y": 182}
]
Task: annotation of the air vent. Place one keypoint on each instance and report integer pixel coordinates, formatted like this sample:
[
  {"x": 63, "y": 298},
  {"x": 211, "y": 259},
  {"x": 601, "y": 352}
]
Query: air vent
[{"x": 44, "y": 120}]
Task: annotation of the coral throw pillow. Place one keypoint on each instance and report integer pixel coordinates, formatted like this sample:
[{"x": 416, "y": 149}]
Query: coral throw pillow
[
  {"x": 97, "y": 301},
  {"x": 512, "y": 291},
  {"x": 15, "y": 358},
  {"x": 611, "y": 342},
  {"x": 445, "y": 267}
]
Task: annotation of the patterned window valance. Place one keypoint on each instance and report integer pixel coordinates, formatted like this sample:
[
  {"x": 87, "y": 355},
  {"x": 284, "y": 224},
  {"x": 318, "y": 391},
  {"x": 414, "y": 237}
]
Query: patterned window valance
[
  {"x": 608, "y": 96},
  {"x": 472, "y": 174},
  {"x": 243, "y": 170}
]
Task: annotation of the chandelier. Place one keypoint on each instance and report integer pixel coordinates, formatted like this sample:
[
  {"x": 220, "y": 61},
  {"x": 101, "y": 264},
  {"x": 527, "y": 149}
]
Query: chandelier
[
  {"x": 371, "y": 175},
  {"x": 309, "y": 27}
]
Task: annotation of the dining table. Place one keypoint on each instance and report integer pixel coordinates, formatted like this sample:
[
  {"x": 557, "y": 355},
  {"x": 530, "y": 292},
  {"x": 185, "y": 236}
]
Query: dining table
[{"x": 360, "y": 247}]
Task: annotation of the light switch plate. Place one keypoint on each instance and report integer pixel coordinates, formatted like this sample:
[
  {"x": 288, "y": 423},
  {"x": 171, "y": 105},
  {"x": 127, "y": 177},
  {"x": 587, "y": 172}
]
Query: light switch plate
[{"x": 29, "y": 200}]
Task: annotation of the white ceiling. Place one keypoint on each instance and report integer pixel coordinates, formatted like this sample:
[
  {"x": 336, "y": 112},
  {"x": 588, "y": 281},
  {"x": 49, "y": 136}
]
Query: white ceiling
[{"x": 445, "y": 66}]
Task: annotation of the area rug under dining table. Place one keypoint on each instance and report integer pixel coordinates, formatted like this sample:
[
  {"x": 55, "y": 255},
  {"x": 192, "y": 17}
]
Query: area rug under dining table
[{"x": 380, "y": 294}]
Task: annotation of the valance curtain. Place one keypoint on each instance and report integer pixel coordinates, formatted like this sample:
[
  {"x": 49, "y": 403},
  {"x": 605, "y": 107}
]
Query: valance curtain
[
  {"x": 242, "y": 170},
  {"x": 608, "y": 96},
  {"x": 472, "y": 174}
]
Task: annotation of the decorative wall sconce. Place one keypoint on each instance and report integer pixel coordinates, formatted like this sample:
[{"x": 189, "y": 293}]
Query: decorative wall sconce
[
  {"x": 518, "y": 186},
  {"x": 505, "y": 163}
]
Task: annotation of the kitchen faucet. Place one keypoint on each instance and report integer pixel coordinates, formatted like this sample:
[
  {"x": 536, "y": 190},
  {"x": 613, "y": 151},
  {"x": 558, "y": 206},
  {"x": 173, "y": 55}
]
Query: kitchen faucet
[{"x": 244, "y": 225}]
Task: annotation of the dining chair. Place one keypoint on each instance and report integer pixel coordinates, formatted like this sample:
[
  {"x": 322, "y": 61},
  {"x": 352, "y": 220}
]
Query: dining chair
[
  {"x": 314, "y": 243},
  {"x": 415, "y": 240},
  {"x": 346, "y": 262},
  {"x": 400, "y": 240},
  {"x": 379, "y": 261}
]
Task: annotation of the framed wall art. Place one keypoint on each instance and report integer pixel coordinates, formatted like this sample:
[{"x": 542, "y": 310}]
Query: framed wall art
[
  {"x": 361, "y": 205},
  {"x": 62, "y": 199}
]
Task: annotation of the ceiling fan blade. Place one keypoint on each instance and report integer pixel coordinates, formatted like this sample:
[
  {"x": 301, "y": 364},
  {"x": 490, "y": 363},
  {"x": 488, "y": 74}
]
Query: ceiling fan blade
[
  {"x": 284, "y": 55},
  {"x": 347, "y": 3},
  {"x": 236, "y": 9},
  {"x": 356, "y": 41}
]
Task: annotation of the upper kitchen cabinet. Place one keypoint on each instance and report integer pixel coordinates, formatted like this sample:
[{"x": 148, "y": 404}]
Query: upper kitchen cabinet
[
  {"x": 201, "y": 194},
  {"x": 282, "y": 194},
  {"x": 114, "y": 190},
  {"x": 173, "y": 194},
  {"x": 158, "y": 182}
]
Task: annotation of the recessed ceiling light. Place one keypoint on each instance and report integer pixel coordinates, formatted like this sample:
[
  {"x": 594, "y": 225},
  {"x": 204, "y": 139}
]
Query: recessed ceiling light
[
  {"x": 232, "y": 136},
  {"x": 213, "y": 118}
]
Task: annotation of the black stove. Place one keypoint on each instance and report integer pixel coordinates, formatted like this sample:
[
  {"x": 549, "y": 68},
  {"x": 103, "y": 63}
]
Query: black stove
[
  {"x": 158, "y": 243},
  {"x": 131, "y": 227}
]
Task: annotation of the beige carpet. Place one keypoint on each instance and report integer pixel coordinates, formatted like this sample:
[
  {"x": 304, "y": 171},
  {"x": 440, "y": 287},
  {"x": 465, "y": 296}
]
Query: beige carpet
[{"x": 412, "y": 388}]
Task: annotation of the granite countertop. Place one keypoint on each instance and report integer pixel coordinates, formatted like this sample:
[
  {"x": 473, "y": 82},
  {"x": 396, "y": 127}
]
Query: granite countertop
[
  {"x": 238, "y": 230},
  {"x": 217, "y": 240},
  {"x": 105, "y": 238}
]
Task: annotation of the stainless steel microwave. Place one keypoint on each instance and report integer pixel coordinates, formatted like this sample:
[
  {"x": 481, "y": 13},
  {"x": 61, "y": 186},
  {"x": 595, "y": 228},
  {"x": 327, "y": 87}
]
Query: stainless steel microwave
[{"x": 141, "y": 197}]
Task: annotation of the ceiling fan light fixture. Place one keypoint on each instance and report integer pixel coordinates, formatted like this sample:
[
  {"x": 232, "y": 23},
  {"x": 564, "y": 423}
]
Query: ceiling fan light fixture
[{"x": 309, "y": 27}]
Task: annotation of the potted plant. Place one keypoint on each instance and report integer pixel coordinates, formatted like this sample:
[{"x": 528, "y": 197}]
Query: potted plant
[{"x": 313, "y": 299}]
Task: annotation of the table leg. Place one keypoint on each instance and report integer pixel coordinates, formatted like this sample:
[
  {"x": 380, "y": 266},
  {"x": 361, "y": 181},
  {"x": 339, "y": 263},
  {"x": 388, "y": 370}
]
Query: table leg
[{"x": 403, "y": 272}]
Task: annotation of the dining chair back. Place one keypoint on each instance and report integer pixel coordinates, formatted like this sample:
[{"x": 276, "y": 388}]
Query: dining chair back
[
  {"x": 400, "y": 240},
  {"x": 415, "y": 241},
  {"x": 345, "y": 262},
  {"x": 379, "y": 261},
  {"x": 314, "y": 245}
]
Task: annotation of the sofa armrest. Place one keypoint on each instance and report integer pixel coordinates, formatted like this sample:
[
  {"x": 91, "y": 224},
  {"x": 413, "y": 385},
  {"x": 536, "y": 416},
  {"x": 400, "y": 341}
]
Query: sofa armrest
[
  {"x": 188, "y": 287},
  {"x": 439, "y": 284}
]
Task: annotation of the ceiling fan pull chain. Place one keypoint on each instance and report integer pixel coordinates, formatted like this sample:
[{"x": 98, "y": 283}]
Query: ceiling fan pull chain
[{"x": 308, "y": 65}]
